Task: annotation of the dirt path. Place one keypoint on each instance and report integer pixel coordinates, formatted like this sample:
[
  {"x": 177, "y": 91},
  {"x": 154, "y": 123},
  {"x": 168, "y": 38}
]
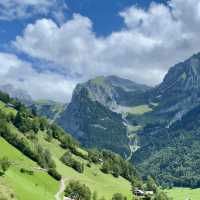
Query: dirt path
[{"x": 61, "y": 190}]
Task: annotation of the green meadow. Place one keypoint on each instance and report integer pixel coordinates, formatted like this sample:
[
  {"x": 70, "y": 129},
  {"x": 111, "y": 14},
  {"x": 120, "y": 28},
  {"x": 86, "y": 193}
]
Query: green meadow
[
  {"x": 104, "y": 184},
  {"x": 184, "y": 194},
  {"x": 23, "y": 186},
  {"x": 139, "y": 110}
]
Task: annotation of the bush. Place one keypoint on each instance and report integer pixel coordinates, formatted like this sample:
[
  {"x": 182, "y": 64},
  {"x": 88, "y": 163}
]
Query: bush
[
  {"x": 106, "y": 167},
  {"x": 25, "y": 171},
  {"x": 118, "y": 196},
  {"x": 151, "y": 184},
  {"x": 69, "y": 161},
  {"x": 95, "y": 195},
  {"x": 54, "y": 174},
  {"x": 94, "y": 156},
  {"x": 76, "y": 190},
  {"x": 79, "y": 167},
  {"x": 4, "y": 164},
  {"x": 76, "y": 152},
  {"x": 89, "y": 165},
  {"x": 114, "y": 164}
]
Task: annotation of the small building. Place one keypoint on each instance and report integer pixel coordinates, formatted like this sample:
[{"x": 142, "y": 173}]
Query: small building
[{"x": 138, "y": 192}]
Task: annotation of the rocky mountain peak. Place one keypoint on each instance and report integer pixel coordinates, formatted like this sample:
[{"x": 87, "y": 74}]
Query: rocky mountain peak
[
  {"x": 184, "y": 76},
  {"x": 109, "y": 91}
]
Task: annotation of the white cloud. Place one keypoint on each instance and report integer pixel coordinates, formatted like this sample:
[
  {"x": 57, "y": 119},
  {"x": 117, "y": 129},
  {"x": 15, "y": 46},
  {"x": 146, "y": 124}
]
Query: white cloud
[
  {"x": 40, "y": 85},
  {"x": 8, "y": 63},
  {"x": 151, "y": 42},
  {"x": 17, "y": 9}
]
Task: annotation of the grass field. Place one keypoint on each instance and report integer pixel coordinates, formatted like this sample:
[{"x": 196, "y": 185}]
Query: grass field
[
  {"x": 39, "y": 186},
  {"x": 105, "y": 185},
  {"x": 140, "y": 110},
  {"x": 184, "y": 194}
]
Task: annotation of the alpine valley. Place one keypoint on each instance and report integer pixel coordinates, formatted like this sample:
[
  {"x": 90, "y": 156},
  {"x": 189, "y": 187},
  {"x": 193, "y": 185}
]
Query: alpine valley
[{"x": 156, "y": 129}]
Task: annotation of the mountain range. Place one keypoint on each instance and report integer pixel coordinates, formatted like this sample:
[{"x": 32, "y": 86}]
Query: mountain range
[
  {"x": 144, "y": 124},
  {"x": 157, "y": 128}
]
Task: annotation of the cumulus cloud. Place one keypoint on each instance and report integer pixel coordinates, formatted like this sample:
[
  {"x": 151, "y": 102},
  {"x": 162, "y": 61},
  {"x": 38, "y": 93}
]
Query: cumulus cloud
[
  {"x": 8, "y": 63},
  {"x": 18, "y": 9},
  {"x": 40, "y": 85},
  {"x": 151, "y": 41}
]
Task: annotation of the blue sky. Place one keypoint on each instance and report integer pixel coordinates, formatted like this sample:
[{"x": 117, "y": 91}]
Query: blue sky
[
  {"x": 47, "y": 47},
  {"x": 104, "y": 15}
]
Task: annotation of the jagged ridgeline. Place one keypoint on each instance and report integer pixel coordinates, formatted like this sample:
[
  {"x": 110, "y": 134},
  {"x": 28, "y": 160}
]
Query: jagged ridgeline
[{"x": 41, "y": 153}]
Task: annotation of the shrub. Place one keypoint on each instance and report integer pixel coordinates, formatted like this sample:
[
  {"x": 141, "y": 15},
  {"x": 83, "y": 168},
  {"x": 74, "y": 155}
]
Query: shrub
[
  {"x": 89, "y": 165},
  {"x": 69, "y": 161},
  {"x": 4, "y": 164},
  {"x": 25, "y": 171},
  {"x": 118, "y": 196},
  {"x": 76, "y": 190},
  {"x": 54, "y": 174}
]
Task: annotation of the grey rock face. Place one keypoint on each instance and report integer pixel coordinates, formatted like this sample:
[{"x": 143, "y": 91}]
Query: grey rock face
[
  {"x": 91, "y": 116},
  {"x": 184, "y": 76},
  {"x": 180, "y": 90}
]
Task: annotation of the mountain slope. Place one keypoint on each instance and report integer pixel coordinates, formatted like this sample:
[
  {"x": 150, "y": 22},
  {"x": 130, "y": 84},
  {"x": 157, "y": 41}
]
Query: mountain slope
[
  {"x": 54, "y": 143},
  {"x": 94, "y": 125},
  {"x": 172, "y": 155},
  {"x": 156, "y": 128},
  {"x": 179, "y": 91},
  {"x": 25, "y": 186},
  {"x": 92, "y": 116},
  {"x": 184, "y": 76},
  {"x": 48, "y": 109},
  {"x": 112, "y": 91},
  {"x": 92, "y": 176},
  {"x": 169, "y": 139}
]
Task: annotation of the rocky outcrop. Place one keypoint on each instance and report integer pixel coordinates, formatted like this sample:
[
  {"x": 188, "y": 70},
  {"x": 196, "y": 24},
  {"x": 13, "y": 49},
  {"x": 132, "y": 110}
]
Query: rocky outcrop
[{"x": 92, "y": 114}]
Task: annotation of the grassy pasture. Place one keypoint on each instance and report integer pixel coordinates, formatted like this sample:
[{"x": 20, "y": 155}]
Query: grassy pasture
[
  {"x": 105, "y": 184},
  {"x": 184, "y": 194},
  {"x": 25, "y": 187}
]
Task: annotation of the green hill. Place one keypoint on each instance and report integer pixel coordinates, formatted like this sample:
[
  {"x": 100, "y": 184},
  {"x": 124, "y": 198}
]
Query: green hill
[
  {"x": 104, "y": 184},
  {"x": 21, "y": 131},
  {"x": 37, "y": 186},
  {"x": 184, "y": 193}
]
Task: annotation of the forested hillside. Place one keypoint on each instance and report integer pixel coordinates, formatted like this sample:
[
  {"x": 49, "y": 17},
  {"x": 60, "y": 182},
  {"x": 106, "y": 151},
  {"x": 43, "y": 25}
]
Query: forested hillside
[
  {"x": 157, "y": 128},
  {"x": 37, "y": 151},
  {"x": 169, "y": 139}
]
